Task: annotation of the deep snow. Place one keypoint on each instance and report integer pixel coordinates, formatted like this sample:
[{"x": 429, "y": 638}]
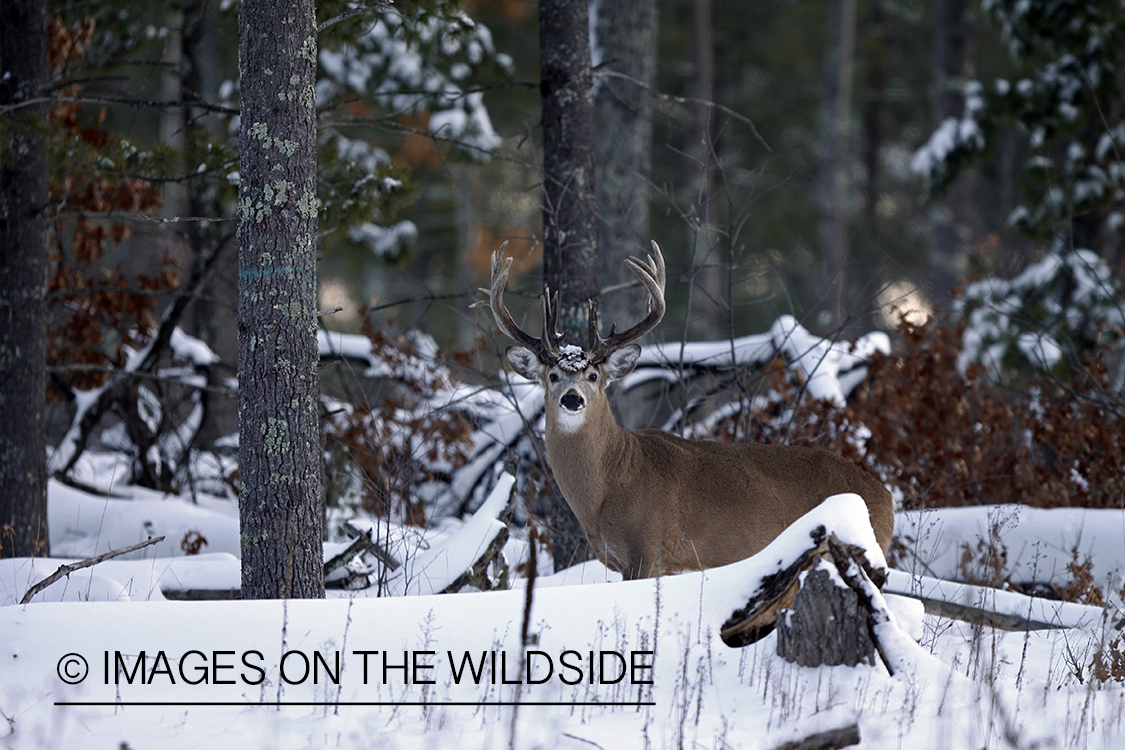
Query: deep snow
[{"x": 962, "y": 687}]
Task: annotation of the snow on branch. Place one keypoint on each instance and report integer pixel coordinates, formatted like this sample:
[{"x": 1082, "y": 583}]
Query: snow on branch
[{"x": 832, "y": 368}]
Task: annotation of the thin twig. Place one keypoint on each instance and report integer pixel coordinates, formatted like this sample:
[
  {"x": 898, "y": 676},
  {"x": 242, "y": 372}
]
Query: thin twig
[
  {"x": 155, "y": 377},
  {"x": 122, "y": 101},
  {"x": 687, "y": 100},
  {"x": 583, "y": 739},
  {"x": 384, "y": 556},
  {"x": 66, "y": 570}
]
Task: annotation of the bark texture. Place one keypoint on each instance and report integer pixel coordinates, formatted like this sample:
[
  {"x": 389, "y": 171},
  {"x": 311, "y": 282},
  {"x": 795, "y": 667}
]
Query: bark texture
[
  {"x": 951, "y": 217},
  {"x": 826, "y": 624},
  {"x": 624, "y": 43},
  {"x": 570, "y": 232},
  {"x": 23, "y": 280},
  {"x": 570, "y": 239},
  {"x": 838, "y": 165},
  {"x": 279, "y": 435}
]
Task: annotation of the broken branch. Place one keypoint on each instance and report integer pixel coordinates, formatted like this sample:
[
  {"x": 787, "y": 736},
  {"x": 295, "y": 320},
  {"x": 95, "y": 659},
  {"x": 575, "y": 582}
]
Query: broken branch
[{"x": 65, "y": 570}]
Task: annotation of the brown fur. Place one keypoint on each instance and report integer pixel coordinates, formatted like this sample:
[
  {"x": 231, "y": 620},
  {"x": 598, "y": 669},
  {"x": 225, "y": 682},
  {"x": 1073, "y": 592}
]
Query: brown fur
[{"x": 652, "y": 503}]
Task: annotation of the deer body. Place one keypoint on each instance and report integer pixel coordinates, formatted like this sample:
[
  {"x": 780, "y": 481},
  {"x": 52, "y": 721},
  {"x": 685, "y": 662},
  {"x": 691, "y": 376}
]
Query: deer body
[{"x": 652, "y": 503}]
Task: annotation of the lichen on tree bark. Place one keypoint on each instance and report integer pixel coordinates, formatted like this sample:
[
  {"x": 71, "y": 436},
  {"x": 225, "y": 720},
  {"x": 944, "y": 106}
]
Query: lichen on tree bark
[{"x": 279, "y": 434}]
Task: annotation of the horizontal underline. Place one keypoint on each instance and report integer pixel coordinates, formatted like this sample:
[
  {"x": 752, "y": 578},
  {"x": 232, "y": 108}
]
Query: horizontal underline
[{"x": 357, "y": 703}]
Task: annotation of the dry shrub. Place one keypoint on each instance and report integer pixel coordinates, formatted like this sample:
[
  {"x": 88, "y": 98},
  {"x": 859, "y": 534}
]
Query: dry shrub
[
  {"x": 96, "y": 311},
  {"x": 944, "y": 438},
  {"x": 193, "y": 542},
  {"x": 409, "y": 437},
  {"x": 1109, "y": 663},
  {"x": 938, "y": 437}
]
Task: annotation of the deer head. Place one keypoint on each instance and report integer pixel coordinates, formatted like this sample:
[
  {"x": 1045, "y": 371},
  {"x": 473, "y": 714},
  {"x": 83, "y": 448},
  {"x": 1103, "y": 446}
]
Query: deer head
[{"x": 574, "y": 377}]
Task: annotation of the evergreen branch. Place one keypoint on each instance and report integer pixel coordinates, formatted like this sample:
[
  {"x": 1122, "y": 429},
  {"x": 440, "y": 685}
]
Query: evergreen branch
[
  {"x": 378, "y": 7},
  {"x": 393, "y": 125}
]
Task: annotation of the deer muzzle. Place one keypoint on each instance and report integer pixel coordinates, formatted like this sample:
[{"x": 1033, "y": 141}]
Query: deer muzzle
[{"x": 572, "y": 402}]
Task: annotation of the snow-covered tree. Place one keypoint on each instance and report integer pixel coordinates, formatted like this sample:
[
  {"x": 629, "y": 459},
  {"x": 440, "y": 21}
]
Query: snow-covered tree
[
  {"x": 1069, "y": 102},
  {"x": 1049, "y": 316},
  {"x": 420, "y": 64}
]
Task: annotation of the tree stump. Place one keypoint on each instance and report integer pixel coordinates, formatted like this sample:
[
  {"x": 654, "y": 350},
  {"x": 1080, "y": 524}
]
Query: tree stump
[
  {"x": 824, "y": 607},
  {"x": 825, "y": 624}
]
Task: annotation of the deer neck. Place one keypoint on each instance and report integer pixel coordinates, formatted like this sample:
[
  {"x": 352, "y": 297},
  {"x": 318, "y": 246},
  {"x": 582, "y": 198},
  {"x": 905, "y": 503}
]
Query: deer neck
[{"x": 579, "y": 455}]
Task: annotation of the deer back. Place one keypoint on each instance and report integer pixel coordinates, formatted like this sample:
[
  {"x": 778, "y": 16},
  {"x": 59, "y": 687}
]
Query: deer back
[{"x": 669, "y": 504}]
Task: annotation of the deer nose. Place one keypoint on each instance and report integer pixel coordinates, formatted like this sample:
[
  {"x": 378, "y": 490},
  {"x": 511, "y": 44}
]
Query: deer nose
[{"x": 572, "y": 401}]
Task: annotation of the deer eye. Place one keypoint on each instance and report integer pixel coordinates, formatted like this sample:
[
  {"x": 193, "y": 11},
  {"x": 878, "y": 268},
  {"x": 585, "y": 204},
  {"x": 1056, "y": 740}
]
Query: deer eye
[
  {"x": 593, "y": 377},
  {"x": 553, "y": 377}
]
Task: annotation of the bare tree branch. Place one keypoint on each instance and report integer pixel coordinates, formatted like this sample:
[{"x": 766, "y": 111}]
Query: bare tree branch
[
  {"x": 687, "y": 100},
  {"x": 114, "y": 390},
  {"x": 65, "y": 570}
]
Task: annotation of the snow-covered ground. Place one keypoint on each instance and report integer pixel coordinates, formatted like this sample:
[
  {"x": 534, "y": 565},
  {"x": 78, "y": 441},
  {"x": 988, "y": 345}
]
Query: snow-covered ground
[
  {"x": 610, "y": 664},
  {"x": 108, "y": 657}
]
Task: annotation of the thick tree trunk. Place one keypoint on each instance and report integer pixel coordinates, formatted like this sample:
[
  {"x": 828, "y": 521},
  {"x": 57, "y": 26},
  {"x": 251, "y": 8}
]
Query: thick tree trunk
[
  {"x": 874, "y": 104},
  {"x": 209, "y": 315},
  {"x": 279, "y": 435},
  {"x": 624, "y": 39},
  {"x": 625, "y": 43},
  {"x": 23, "y": 280},
  {"x": 570, "y": 233}
]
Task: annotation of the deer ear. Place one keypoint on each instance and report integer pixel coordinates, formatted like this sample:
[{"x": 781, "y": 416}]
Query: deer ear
[
  {"x": 622, "y": 361},
  {"x": 523, "y": 361}
]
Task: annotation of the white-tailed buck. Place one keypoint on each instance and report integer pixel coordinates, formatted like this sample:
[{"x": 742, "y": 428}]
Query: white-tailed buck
[{"x": 652, "y": 503}]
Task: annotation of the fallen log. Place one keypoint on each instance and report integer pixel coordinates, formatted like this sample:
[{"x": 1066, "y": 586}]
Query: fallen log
[
  {"x": 775, "y": 592},
  {"x": 824, "y": 623},
  {"x": 833, "y": 739},
  {"x": 201, "y": 595},
  {"x": 476, "y": 575},
  {"x": 995, "y": 608}
]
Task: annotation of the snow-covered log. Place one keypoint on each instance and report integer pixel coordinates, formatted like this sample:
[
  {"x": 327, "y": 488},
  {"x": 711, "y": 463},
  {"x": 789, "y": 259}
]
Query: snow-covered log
[
  {"x": 833, "y": 739},
  {"x": 826, "y": 623},
  {"x": 984, "y": 605},
  {"x": 831, "y": 368}
]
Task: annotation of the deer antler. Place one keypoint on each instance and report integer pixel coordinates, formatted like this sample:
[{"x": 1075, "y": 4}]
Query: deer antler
[
  {"x": 545, "y": 347},
  {"x": 652, "y": 275}
]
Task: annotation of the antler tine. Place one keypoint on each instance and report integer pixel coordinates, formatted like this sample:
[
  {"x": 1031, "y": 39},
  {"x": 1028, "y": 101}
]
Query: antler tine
[
  {"x": 501, "y": 266},
  {"x": 653, "y": 275},
  {"x": 551, "y": 337},
  {"x": 594, "y": 334}
]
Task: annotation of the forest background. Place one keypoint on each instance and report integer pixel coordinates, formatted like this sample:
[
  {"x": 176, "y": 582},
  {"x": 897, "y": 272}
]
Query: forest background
[{"x": 845, "y": 163}]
